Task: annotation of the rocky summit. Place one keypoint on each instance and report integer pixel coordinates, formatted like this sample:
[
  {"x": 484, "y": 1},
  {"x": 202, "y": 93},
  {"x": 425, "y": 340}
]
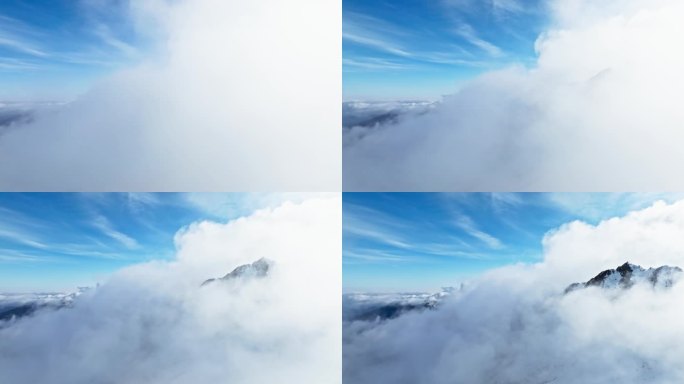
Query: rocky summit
[
  {"x": 257, "y": 269},
  {"x": 627, "y": 275}
]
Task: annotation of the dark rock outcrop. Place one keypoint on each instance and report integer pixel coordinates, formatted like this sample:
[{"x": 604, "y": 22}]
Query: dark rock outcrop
[{"x": 627, "y": 275}]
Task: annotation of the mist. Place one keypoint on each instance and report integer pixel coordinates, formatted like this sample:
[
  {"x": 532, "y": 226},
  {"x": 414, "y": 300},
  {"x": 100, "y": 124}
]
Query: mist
[
  {"x": 516, "y": 325},
  {"x": 229, "y": 96},
  {"x": 155, "y": 323},
  {"x": 597, "y": 111}
]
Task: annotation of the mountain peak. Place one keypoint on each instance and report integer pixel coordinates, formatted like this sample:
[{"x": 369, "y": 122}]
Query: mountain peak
[
  {"x": 628, "y": 274},
  {"x": 257, "y": 269}
]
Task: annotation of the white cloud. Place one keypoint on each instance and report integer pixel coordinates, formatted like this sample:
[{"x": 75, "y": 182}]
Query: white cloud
[
  {"x": 153, "y": 323},
  {"x": 233, "y": 97},
  {"x": 598, "y": 111},
  {"x": 516, "y": 325}
]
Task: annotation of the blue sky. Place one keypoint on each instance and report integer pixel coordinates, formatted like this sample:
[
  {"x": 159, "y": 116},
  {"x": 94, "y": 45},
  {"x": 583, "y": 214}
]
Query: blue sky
[
  {"x": 396, "y": 242},
  {"x": 417, "y": 49},
  {"x": 55, "y": 49},
  {"x": 56, "y": 241}
]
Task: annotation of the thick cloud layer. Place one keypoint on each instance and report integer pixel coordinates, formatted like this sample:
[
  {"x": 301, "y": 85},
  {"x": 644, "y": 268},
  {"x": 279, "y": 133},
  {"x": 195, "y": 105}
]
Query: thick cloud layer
[
  {"x": 153, "y": 323},
  {"x": 599, "y": 111},
  {"x": 235, "y": 96},
  {"x": 515, "y": 325}
]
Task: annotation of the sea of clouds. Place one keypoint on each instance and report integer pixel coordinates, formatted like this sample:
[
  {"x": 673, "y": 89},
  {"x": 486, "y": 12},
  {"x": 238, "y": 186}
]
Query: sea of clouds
[
  {"x": 516, "y": 325},
  {"x": 231, "y": 96},
  {"x": 153, "y": 323},
  {"x": 599, "y": 110}
]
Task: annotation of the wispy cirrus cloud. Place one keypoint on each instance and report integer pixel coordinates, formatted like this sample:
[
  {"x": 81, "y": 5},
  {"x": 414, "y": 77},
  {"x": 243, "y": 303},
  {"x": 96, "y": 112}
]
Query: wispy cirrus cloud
[
  {"x": 21, "y": 46},
  {"x": 19, "y": 64},
  {"x": 21, "y": 37},
  {"x": 405, "y": 46},
  {"x": 374, "y": 33},
  {"x": 496, "y": 7},
  {"x": 435, "y": 43},
  {"x": 64, "y": 42},
  {"x": 104, "y": 225},
  {"x": 21, "y": 237},
  {"x": 467, "y": 32},
  {"x": 374, "y": 63},
  {"x": 108, "y": 37},
  {"x": 467, "y": 224},
  {"x": 375, "y": 235},
  {"x": 372, "y": 225}
]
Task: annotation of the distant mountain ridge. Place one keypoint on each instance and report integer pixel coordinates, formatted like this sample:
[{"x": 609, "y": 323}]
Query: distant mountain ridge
[
  {"x": 374, "y": 113},
  {"x": 627, "y": 275},
  {"x": 378, "y": 307},
  {"x": 15, "y": 306}
]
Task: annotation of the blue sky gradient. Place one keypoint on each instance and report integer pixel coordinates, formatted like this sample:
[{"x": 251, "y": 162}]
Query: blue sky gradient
[
  {"x": 58, "y": 241},
  {"x": 398, "y": 242},
  {"x": 55, "y": 50},
  {"x": 415, "y": 49}
]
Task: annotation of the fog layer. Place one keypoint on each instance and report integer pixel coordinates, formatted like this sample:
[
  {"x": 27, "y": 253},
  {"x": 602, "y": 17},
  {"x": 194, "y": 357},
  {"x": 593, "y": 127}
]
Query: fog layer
[
  {"x": 233, "y": 96},
  {"x": 599, "y": 110}
]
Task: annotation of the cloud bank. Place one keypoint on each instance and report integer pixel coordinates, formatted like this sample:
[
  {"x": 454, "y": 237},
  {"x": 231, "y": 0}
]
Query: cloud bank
[
  {"x": 153, "y": 323},
  {"x": 598, "y": 111},
  {"x": 232, "y": 97},
  {"x": 515, "y": 325}
]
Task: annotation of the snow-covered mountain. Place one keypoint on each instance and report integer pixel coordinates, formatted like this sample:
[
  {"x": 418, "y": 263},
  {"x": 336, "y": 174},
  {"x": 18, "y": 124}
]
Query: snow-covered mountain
[
  {"x": 259, "y": 268},
  {"x": 627, "y": 275}
]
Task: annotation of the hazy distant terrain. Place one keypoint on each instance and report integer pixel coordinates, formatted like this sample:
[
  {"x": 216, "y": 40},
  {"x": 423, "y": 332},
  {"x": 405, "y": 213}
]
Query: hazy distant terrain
[
  {"x": 362, "y": 117},
  {"x": 379, "y": 306},
  {"x": 14, "y": 306},
  {"x": 14, "y": 114}
]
